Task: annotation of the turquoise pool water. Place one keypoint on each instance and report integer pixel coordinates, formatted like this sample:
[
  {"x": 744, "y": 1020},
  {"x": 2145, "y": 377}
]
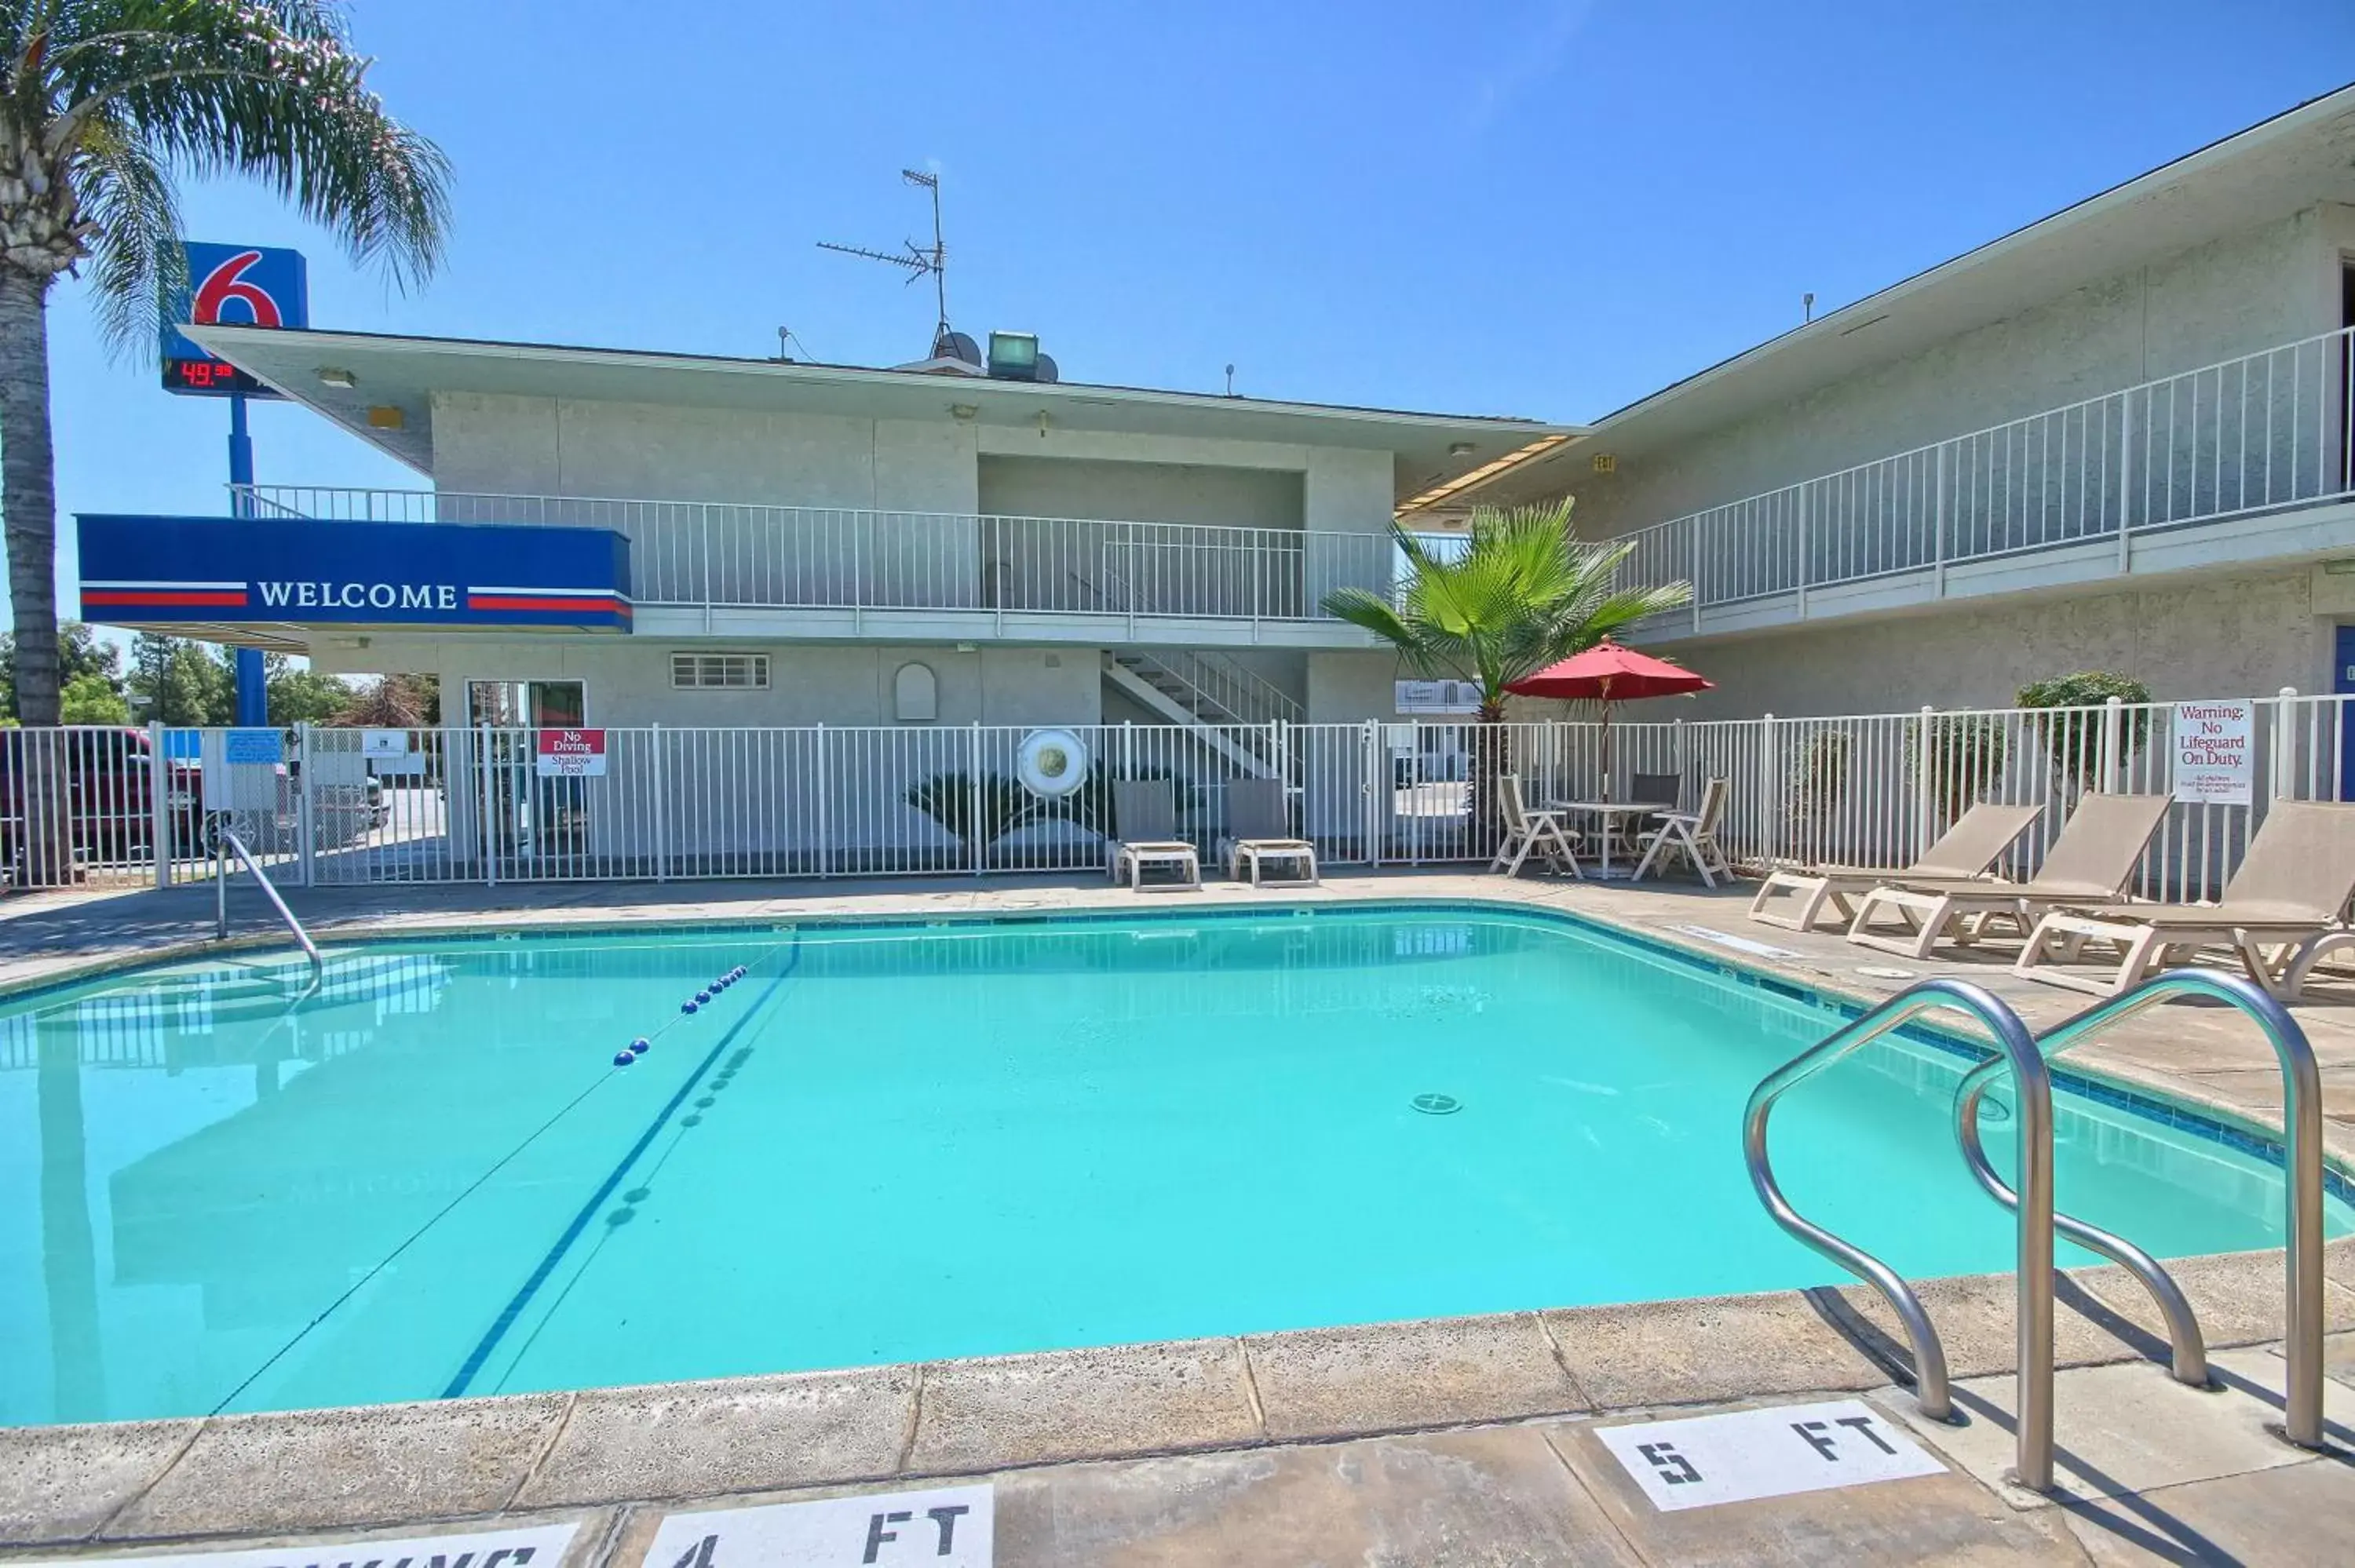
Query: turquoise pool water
[{"x": 430, "y": 1178}]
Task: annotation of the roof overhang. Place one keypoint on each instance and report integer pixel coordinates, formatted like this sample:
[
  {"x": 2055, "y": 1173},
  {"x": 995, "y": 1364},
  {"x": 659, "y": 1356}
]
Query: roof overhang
[
  {"x": 391, "y": 382},
  {"x": 2270, "y": 171}
]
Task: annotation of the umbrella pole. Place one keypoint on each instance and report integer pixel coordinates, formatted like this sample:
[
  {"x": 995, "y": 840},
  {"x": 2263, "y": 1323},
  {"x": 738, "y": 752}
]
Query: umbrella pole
[{"x": 1606, "y": 751}]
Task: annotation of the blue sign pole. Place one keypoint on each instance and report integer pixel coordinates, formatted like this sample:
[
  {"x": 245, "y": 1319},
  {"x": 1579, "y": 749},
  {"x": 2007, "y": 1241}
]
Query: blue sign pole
[{"x": 252, "y": 671}]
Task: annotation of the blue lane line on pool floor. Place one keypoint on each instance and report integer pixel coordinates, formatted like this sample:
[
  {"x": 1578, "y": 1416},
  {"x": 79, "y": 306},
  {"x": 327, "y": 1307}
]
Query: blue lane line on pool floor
[{"x": 475, "y": 1358}]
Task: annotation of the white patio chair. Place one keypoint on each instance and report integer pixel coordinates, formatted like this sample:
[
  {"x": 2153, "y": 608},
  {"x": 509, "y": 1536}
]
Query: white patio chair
[
  {"x": 1527, "y": 830},
  {"x": 1691, "y": 836}
]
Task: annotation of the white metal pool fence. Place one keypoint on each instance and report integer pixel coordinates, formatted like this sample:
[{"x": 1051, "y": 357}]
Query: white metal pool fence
[{"x": 349, "y": 807}]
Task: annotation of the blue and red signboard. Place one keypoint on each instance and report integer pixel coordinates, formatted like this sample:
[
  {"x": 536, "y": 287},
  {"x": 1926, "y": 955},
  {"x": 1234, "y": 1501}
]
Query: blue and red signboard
[
  {"x": 298, "y": 571},
  {"x": 234, "y": 285}
]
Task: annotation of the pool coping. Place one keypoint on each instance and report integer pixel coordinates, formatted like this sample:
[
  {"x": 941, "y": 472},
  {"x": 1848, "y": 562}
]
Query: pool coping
[
  {"x": 198, "y": 1479},
  {"x": 202, "y": 1478}
]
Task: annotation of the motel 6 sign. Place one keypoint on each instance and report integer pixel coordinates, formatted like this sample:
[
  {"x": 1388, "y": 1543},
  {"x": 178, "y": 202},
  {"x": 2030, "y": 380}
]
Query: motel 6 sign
[{"x": 233, "y": 285}]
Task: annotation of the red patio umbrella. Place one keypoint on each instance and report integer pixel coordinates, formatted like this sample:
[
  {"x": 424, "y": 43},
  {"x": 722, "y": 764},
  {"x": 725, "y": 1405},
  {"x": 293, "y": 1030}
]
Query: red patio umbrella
[{"x": 1608, "y": 673}]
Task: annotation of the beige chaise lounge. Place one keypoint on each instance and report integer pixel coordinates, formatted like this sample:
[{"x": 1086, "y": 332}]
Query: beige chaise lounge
[
  {"x": 1145, "y": 814},
  {"x": 1259, "y": 832},
  {"x": 2088, "y": 865},
  {"x": 2279, "y": 911},
  {"x": 1967, "y": 850}
]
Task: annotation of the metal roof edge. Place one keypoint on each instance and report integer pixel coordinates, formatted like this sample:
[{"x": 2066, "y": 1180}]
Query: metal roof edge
[{"x": 228, "y": 340}]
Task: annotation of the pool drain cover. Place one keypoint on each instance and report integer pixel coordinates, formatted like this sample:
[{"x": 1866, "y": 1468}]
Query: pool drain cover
[{"x": 1436, "y": 1104}]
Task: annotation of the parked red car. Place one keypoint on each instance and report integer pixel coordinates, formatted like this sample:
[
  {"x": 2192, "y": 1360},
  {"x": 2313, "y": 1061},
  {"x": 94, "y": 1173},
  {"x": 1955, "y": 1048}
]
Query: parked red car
[{"x": 109, "y": 776}]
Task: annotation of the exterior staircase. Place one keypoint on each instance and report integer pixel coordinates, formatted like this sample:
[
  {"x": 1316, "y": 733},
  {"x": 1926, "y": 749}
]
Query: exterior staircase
[{"x": 1232, "y": 710}]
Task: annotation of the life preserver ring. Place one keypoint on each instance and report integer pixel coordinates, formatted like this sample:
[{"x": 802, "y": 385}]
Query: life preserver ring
[{"x": 1052, "y": 763}]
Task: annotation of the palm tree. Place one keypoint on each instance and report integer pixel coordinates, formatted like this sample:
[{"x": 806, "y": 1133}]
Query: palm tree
[
  {"x": 101, "y": 103},
  {"x": 1520, "y": 594}
]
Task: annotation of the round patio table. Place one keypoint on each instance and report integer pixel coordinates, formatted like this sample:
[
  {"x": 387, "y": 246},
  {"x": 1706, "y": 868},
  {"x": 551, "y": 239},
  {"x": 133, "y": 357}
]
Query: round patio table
[{"x": 1608, "y": 813}]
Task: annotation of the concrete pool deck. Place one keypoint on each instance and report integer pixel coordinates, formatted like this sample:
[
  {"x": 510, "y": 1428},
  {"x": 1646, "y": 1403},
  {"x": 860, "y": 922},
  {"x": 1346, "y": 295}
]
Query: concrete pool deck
[{"x": 1468, "y": 1440}]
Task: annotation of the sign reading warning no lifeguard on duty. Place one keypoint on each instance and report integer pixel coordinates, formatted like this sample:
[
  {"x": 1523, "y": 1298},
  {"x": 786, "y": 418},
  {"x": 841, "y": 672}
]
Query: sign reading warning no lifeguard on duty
[{"x": 2215, "y": 753}]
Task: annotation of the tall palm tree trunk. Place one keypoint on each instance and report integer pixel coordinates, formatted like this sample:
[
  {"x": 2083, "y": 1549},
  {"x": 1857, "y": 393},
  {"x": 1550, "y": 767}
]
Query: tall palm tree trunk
[
  {"x": 28, "y": 490},
  {"x": 29, "y": 500}
]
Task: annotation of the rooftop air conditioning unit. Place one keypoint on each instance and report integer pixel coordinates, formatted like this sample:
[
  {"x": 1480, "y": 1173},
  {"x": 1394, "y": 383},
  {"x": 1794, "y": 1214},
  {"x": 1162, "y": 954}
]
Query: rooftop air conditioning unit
[{"x": 1014, "y": 357}]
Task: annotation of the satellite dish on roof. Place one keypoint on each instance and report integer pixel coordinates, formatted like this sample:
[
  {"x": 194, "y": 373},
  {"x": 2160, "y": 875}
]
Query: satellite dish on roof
[
  {"x": 956, "y": 345},
  {"x": 1046, "y": 370}
]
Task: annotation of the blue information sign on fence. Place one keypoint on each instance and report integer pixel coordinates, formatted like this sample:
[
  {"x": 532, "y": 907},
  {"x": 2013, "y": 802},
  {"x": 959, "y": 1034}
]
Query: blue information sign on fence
[{"x": 262, "y": 746}]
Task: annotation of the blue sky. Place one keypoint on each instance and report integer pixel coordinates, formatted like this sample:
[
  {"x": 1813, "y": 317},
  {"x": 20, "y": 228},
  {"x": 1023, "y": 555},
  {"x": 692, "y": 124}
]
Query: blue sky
[{"x": 1534, "y": 209}]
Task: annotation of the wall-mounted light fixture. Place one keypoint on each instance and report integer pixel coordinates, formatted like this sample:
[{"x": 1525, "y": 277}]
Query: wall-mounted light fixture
[{"x": 331, "y": 377}]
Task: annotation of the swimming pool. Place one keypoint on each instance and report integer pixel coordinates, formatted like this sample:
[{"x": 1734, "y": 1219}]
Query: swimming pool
[{"x": 910, "y": 1143}]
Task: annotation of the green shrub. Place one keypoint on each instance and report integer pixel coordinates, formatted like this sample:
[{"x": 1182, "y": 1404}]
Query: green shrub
[
  {"x": 2069, "y": 721},
  {"x": 1818, "y": 779},
  {"x": 950, "y": 800},
  {"x": 1966, "y": 754}
]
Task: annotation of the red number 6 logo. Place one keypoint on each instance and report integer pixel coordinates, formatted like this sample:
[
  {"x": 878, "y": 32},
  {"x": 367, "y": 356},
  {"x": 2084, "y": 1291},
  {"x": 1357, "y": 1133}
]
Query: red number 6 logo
[{"x": 227, "y": 282}]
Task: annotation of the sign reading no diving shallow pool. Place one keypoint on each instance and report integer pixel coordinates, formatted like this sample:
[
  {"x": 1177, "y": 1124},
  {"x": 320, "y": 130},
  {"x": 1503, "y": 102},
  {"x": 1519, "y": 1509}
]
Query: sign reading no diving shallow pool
[
  {"x": 542, "y": 1547},
  {"x": 948, "y": 1526},
  {"x": 1749, "y": 1454}
]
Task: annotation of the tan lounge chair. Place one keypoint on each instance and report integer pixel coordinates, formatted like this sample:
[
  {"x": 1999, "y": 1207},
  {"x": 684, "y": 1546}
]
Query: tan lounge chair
[
  {"x": 1527, "y": 830},
  {"x": 2279, "y": 911},
  {"x": 1691, "y": 836},
  {"x": 1145, "y": 814},
  {"x": 1259, "y": 830},
  {"x": 1965, "y": 851},
  {"x": 2088, "y": 865}
]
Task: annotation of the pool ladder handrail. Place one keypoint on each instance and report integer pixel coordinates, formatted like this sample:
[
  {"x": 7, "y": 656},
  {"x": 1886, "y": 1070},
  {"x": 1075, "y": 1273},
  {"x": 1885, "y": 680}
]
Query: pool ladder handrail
[
  {"x": 2034, "y": 1217},
  {"x": 2302, "y": 1182},
  {"x": 226, "y": 840}
]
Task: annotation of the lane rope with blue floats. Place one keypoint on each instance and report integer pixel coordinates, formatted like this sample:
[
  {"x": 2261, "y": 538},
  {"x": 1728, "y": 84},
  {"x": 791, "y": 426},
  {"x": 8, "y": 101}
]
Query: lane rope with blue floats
[{"x": 689, "y": 1010}]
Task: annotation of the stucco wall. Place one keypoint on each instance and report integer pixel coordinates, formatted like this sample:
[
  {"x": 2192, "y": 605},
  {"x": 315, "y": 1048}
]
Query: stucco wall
[
  {"x": 582, "y": 447},
  {"x": 2241, "y": 636},
  {"x": 2257, "y": 289},
  {"x": 628, "y": 681},
  {"x": 1140, "y": 492},
  {"x": 572, "y": 446}
]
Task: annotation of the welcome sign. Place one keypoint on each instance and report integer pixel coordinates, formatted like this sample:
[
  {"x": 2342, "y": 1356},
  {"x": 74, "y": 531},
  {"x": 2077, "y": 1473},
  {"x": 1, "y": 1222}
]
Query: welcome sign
[{"x": 233, "y": 571}]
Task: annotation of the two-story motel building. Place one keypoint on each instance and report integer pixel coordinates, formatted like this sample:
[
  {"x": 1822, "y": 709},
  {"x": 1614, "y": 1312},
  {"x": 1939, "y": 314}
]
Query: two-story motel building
[
  {"x": 2116, "y": 438},
  {"x": 2119, "y": 438}
]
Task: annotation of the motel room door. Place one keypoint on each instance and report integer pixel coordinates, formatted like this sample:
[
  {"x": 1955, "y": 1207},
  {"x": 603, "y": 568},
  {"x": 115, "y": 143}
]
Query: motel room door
[
  {"x": 531, "y": 817},
  {"x": 2342, "y": 670}
]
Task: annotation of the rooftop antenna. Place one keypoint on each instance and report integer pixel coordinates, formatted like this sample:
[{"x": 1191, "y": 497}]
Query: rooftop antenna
[
  {"x": 1806, "y": 308},
  {"x": 1230, "y": 380},
  {"x": 919, "y": 261}
]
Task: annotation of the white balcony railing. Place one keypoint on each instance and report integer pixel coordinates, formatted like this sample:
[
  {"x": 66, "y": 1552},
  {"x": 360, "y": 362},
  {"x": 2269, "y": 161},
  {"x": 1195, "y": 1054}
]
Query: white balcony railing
[
  {"x": 2267, "y": 431},
  {"x": 699, "y": 554}
]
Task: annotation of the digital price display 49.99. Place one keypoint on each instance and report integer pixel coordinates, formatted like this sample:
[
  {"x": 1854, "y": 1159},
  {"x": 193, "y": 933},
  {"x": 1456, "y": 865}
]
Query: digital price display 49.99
[{"x": 211, "y": 378}]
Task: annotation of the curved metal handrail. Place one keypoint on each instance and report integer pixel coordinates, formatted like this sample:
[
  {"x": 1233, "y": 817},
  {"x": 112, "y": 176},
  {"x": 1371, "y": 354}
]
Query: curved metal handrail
[
  {"x": 2188, "y": 1348},
  {"x": 226, "y": 841},
  {"x": 2302, "y": 1182},
  {"x": 2034, "y": 1217}
]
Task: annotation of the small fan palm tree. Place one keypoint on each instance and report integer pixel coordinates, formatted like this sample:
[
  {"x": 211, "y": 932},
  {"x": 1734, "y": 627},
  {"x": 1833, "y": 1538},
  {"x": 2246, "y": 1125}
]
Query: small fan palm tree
[
  {"x": 101, "y": 103},
  {"x": 1520, "y": 594}
]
